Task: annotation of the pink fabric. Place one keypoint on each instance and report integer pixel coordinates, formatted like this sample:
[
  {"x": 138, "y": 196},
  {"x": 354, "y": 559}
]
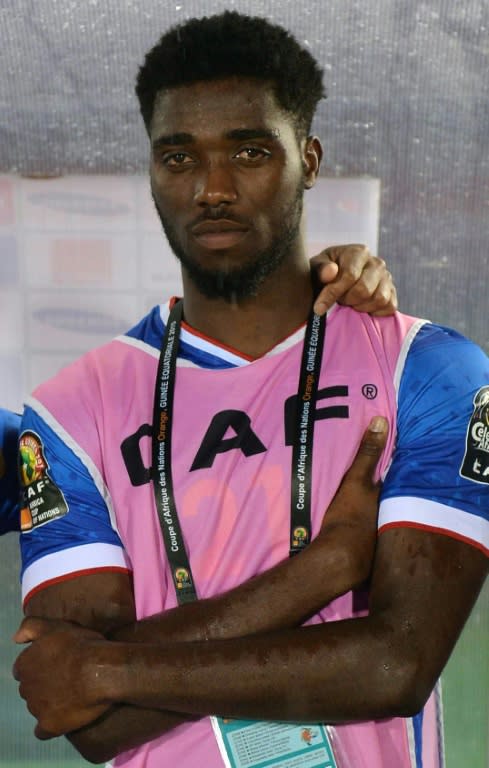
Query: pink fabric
[{"x": 235, "y": 515}]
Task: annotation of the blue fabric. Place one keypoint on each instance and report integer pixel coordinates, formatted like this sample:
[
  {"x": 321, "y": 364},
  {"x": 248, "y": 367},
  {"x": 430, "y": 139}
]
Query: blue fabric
[
  {"x": 9, "y": 483},
  {"x": 418, "y": 738},
  {"x": 151, "y": 329},
  {"x": 442, "y": 373},
  {"x": 87, "y": 520}
]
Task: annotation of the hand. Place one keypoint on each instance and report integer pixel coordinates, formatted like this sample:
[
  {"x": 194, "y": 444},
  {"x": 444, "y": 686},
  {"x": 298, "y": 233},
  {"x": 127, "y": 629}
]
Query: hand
[
  {"x": 352, "y": 515},
  {"x": 355, "y": 278},
  {"x": 53, "y": 677}
]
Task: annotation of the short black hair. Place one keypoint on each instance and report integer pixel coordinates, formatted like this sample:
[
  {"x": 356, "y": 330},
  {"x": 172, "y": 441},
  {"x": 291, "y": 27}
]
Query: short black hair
[{"x": 229, "y": 44}]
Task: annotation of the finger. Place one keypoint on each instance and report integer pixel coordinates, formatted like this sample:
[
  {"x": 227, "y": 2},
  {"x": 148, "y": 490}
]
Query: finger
[
  {"x": 326, "y": 272},
  {"x": 336, "y": 290},
  {"x": 370, "y": 451},
  {"x": 391, "y": 305},
  {"x": 343, "y": 255},
  {"x": 43, "y": 735},
  {"x": 378, "y": 306},
  {"x": 31, "y": 628},
  {"x": 352, "y": 259},
  {"x": 374, "y": 277},
  {"x": 351, "y": 262},
  {"x": 373, "y": 291},
  {"x": 18, "y": 666},
  {"x": 16, "y": 670},
  {"x": 327, "y": 297},
  {"x": 324, "y": 269}
]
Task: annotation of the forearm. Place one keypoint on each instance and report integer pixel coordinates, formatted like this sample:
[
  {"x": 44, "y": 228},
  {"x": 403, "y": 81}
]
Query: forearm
[
  {"x": 382, "y": 665},
  {"x": 274, "y": 600},
  {"x": 336, "y": 672},
  {"x": 123, "y": 727}
]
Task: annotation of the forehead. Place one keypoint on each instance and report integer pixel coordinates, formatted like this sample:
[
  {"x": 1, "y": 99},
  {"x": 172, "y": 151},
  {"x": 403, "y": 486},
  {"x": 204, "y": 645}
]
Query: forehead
[{"x": 218, "y": 106}]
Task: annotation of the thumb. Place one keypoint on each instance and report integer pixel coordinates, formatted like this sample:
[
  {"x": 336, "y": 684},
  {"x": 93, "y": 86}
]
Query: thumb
[
  {"x": 325, "y": 271},
  {"x": 370, "y": 450},
  {"x": 31, "y": 629},
  {"x": 329, "y": 295},
  {"x": 324, "y": 268}
]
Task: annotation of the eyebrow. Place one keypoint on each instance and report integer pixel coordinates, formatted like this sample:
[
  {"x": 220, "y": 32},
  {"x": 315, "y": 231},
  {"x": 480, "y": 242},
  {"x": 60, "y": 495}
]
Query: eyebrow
[
  {"x": 237, "y": 134},
  {"x": 173, "y": 140},
  {"x": 243, "y": 134}
]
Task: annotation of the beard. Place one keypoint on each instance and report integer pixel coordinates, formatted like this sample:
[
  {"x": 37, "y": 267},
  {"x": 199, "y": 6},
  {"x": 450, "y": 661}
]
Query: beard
[{"x": 233, "y": 284}]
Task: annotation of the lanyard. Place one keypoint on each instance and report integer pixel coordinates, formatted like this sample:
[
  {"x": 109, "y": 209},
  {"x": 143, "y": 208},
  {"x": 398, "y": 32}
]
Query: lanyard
[{"x": 300, "y": 508}]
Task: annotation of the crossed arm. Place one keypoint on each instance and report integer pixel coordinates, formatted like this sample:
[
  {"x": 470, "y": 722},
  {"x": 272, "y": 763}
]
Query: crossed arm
[
  {"x": 268, "y": 603},
  {"x": 185, "y": 663}
]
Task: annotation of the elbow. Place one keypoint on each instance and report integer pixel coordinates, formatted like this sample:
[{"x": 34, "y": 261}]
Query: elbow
[
  {"x": 90, "y": 751},
  {"x": 405, "y": 683},
  {"x": 95, "y": 759}
]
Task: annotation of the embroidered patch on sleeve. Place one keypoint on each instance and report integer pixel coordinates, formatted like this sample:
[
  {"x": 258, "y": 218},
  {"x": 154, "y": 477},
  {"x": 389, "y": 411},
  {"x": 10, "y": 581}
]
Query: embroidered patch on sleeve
[
  {"x": 42, "y": 500},
  {"x": 475, "y": 465}
]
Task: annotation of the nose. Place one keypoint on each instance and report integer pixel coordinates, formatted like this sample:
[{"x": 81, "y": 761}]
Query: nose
[{"x": 215, "y": 185}]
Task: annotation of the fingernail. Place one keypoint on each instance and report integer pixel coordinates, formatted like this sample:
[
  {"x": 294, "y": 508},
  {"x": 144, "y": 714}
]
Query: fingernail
[{"x": 378, "y": 424}]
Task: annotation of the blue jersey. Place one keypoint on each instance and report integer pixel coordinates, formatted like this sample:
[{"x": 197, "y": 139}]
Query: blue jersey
[{"x": 9, "y": 484}]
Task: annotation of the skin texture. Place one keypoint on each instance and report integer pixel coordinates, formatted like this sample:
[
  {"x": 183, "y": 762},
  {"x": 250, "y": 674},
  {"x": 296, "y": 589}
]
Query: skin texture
[{"x": 382, "y": 665}]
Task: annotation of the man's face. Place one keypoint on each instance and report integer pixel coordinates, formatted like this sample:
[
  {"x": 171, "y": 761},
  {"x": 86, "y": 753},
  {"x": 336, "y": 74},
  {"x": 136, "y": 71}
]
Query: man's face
[{"x": 227, "y": 177}]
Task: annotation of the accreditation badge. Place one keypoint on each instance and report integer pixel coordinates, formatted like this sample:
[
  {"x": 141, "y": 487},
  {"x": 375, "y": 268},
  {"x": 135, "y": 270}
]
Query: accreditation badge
[{"x": 258, "y": 744}]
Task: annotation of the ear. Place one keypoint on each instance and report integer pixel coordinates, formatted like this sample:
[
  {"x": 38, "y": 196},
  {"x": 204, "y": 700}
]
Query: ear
[{"x": 312, "y": 156}]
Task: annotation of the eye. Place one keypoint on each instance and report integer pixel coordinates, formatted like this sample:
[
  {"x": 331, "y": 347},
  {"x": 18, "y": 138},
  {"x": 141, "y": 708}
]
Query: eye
[
  {"x": 176, "y": 160},
  {"x": 252, "y": 154}
]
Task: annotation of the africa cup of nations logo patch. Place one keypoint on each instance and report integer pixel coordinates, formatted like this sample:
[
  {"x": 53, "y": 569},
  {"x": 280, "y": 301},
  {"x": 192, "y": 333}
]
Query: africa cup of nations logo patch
[
  {"x": 182, "y": 578},
  {"x": 475, "y": 465},
  {"x": 42, "y": 500},
  {"x": 299, "y": 537}
]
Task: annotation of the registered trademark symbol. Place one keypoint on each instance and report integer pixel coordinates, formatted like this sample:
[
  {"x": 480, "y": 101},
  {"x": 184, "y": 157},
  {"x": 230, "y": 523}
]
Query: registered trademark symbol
[{"x": 369, "y": 391}]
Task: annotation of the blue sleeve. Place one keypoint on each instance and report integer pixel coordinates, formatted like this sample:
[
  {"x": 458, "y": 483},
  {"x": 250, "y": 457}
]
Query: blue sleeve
[
  {"x": 443, "y": 393},
  {"x": 9, "y": 482},
  {"x": 63, "y": 504}
]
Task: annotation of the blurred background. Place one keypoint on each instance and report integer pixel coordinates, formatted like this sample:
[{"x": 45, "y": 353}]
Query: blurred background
[{"x": 405, "y": 130}]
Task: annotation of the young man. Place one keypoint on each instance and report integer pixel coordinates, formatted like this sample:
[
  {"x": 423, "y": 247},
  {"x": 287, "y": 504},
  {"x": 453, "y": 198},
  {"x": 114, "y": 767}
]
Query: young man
[
  {"x": 261, "y": 428},
  {"x": 9, "y": 485}
]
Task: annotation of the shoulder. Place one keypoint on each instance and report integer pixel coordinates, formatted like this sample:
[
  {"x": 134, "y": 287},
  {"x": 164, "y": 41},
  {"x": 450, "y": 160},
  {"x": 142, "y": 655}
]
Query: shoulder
[
  {"x": 391, "y": 336},
  {"x": 441, "y": 374},
  {"x": 437, "y": 343},
  {"x": 9, "y": 426},
  {"x": 441, "y": 367},
  {"x": 439, "y": 476},
  {"x": 149, "y": 330},
  {"x": 78, "y": 387}
]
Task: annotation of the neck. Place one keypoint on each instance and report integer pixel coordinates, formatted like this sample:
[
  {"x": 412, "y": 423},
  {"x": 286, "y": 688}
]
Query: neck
[{"x": 256, "y": 324}]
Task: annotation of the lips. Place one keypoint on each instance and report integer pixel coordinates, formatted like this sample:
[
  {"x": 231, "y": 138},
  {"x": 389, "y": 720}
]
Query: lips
[{"x": 219, "y": 234}]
